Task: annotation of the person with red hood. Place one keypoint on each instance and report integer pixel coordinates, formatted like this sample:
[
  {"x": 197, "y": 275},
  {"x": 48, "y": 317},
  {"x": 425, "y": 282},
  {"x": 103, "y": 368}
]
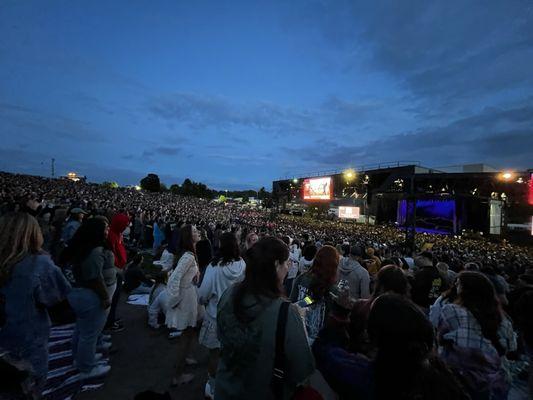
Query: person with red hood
[{"x": 119, "y": 223}]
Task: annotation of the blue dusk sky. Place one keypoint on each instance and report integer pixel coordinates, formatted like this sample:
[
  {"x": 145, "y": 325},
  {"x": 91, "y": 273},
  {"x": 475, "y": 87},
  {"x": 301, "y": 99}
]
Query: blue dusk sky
[{"x": 236, "y": 94}]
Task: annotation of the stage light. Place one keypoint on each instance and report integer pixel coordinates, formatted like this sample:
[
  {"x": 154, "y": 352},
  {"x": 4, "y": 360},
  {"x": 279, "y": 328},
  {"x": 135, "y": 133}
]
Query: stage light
[
  {"x": 295, "y": 180},
  {"x": 137, "y": 187},
  {"x": 506, "y": 175},
  {"x": 349, "y": 174}
]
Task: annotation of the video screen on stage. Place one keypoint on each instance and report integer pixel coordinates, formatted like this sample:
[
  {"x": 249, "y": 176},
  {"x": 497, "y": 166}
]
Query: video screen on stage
[
  {"x": 317, "y": 188},
  {"x": 433, "y": 216},
  {"x": 349, "y": 212}
]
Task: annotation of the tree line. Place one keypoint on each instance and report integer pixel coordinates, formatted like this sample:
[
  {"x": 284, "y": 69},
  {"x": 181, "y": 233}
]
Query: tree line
[{"x": 189, "y": 187}]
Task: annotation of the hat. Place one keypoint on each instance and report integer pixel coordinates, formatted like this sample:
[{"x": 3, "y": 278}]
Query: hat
[
  {"x": 356, "y": 251},
  {"x": 78, "y": 210}
]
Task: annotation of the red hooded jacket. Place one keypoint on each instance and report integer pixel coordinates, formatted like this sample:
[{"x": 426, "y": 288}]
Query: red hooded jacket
[{"x": 118, "y": 224}]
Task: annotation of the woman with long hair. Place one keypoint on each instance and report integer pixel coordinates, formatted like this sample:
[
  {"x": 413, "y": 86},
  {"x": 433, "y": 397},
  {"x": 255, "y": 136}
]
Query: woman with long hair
[
  {"x": 29, "y": 284},
  {"x": 317, "y": 283},
  {"x": 247, "y": 319},
  {"x": 475, "y": 335},
  {"x": 389, "y": 279},
  {"x": 182, "y": 299},
  {"x": 404, "y": 367},
  {"x": 226, "y": 269},
  {"x": 89, "y": 298}
]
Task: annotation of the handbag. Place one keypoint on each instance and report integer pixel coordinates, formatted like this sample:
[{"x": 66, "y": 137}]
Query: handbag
[{"x": 278, "y": 374}]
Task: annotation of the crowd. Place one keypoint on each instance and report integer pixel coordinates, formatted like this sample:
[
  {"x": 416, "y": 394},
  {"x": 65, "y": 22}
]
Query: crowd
[{"x": 287, "y": 307}]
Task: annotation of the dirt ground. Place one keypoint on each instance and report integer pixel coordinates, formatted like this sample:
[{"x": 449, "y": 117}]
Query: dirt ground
[{"x": 145, "y": 360}]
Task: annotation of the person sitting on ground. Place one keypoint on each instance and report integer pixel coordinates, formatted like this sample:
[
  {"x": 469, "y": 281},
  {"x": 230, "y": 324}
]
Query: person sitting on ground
[
  {"x": 135, "y": 280},
  {"x": 157, "y": 300},
  {"x": 166, "y": 261}
]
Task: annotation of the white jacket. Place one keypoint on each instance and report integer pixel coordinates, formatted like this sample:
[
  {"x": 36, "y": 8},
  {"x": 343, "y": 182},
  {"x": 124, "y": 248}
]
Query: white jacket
[
  {"x": 216, "y": 280},
  {"x": 182, "y": 299}
]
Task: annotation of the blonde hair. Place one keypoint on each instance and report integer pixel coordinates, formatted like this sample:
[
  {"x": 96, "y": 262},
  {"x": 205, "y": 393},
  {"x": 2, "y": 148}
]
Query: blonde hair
[{"x": 20, "y": 235}]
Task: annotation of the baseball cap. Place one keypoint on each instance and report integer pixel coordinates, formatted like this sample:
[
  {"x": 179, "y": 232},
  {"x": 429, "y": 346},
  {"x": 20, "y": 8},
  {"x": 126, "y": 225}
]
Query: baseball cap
[{"x": 78, "y": 210}]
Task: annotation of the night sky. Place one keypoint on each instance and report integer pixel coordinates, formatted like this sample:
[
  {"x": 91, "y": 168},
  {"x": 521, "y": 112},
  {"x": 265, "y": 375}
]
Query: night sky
[{"x": 237, "y": 94}]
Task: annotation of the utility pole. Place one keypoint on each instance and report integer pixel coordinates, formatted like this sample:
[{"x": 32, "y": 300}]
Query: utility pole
[{"x": 53, "y": 167}]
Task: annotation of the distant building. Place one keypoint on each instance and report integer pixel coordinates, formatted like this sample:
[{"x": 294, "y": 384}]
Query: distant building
[{"x": 74, "y": 177}]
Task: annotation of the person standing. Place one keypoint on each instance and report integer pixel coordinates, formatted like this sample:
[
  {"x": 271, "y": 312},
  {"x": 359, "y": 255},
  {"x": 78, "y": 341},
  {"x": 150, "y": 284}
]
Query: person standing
[
  {"x": 72, "y": 225},
  {"x": 475, "y": 336},
  {"x": 318, "y": 284},
  {"x": 182, "y": 300},
  {"x": 247, "y": 318},
  {"x": 225, "y": 270},
  {"x": 89, "y": 298},
  {"x": 353, "y": 272},
  {"x": 29, "y": 284},
  {"x": 115, "y": 241}
]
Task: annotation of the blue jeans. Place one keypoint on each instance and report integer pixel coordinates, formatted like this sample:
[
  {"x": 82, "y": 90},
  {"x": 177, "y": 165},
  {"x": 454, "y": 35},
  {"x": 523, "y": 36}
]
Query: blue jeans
[{"x": 90, "y": 321}]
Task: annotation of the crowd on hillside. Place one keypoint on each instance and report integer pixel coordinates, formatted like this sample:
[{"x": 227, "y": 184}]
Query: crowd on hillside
[{"x": 288, "y": 307}]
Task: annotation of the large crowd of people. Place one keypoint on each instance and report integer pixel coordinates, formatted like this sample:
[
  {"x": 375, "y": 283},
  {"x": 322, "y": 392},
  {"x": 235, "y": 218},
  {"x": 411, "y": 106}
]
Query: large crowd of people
[{"x": 288, "y": 307}]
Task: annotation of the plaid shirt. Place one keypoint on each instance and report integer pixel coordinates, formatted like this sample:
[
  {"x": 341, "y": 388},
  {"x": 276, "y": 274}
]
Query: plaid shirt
[{"x": 459, "y": 325}]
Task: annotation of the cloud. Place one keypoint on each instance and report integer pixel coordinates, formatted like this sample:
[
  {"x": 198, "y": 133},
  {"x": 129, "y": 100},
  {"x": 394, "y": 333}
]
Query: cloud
[
  {"x": 441, "y": 49},
  {"x": 147, "y": 155},
  {"x": 203, "y": 111},
  {"x": 31, "y": 124},
  {"x": 495, "y": 136}
]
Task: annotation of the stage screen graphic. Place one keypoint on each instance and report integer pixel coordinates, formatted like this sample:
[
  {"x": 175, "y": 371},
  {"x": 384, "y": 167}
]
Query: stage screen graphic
[
  {"x": 434, "y": 216},
  {"x": 317, "y": 188},
  {"x": 349, "y": 212}
]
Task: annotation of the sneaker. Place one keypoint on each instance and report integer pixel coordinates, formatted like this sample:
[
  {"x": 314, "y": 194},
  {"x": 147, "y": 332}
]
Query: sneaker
[
  {"x": 116, "y": 327},
  {"x": 174, "y": 334},
  {"x": 97, "y": 371},
  {"x": 209, "y": 392},
  {"x": 190, "y": 362},
  {"x": 182, "y": 380},
  {"x": 97, "y": 357},
  {"x": 105, "y": 346}
]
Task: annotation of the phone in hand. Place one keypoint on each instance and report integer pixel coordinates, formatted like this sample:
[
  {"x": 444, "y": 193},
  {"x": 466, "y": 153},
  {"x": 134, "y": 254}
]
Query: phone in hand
[{"x": 305, "y": 302}]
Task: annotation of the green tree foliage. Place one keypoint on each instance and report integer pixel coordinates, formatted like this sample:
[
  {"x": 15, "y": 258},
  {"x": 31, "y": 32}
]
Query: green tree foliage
[
  {"x": 110, "y": 185},
  {"x": 151, "y": 183}
]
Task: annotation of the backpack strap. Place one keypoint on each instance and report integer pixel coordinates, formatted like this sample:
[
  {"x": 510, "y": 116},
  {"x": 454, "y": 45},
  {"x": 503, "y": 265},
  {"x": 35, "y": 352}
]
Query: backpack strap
[{"x": 278, "y": 374}]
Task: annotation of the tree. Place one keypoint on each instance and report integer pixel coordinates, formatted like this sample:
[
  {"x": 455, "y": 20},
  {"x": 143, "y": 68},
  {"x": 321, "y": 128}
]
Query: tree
[
  {"x": 151, "y": 183},
  {"x": 110, "y": 185},
  {"x": 163, "y": 187},
  {"x": 262, "y": 194}
]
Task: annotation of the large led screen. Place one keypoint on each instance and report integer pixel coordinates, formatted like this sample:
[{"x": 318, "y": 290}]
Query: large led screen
[
  {"x": 317, "y": 188},
  {"x": 435, "y": 216},
  {"x": 349, "y": 212}
]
